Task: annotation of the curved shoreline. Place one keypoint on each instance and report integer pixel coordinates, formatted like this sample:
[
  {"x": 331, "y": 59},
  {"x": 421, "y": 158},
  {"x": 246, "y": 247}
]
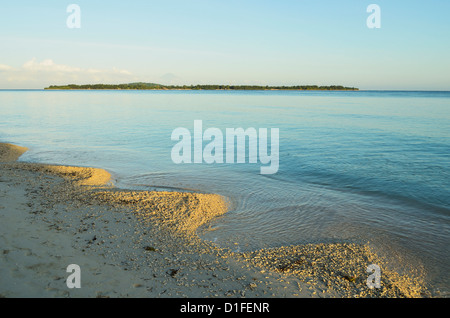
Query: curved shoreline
[
  {"x": 164, "y": 235},
  {"x": 10, "y": 152}
]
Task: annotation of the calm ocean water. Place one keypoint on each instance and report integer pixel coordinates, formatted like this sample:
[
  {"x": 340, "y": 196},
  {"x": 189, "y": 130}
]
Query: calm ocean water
[{"x": 363, "y": 166}]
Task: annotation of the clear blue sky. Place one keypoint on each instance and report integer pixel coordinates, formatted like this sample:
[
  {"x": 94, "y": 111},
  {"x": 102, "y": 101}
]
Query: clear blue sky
[{"x": 291, "y": 42}]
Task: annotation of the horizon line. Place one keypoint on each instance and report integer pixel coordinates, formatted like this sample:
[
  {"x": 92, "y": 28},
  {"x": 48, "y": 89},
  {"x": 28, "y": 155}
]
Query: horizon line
[{"x": 156, "y": 89}]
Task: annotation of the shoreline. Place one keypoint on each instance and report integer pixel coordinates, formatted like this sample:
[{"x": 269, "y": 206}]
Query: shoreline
[{"x": 144, "y": 244}]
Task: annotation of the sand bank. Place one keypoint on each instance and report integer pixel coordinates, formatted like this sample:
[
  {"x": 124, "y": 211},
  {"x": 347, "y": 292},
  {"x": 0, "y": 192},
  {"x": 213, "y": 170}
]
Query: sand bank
[
  {"x": 10, "y": 153},
  {"x": 144, "y": 244}
]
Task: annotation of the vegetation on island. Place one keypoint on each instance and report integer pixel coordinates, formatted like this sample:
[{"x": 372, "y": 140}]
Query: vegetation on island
[{"x": 153, "y": 86}]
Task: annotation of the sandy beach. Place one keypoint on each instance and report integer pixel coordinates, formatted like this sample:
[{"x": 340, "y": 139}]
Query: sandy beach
[{"x": 144, "y": 244}]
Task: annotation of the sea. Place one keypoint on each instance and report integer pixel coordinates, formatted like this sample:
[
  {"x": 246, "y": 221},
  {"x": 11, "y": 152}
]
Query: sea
[{"x": 369, "y": 167}]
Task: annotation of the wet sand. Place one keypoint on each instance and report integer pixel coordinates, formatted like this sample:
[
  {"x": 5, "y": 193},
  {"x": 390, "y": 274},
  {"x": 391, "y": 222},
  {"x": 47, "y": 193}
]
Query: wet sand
[{"x": 144, "y": 244}]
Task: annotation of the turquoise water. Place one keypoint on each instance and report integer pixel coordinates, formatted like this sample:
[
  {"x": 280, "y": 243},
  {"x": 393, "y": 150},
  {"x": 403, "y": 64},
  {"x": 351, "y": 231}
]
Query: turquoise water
[{"x": 363, "y": 166}]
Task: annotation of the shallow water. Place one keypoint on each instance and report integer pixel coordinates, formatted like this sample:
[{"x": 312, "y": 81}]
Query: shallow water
[{"x": 354, "y": 166}]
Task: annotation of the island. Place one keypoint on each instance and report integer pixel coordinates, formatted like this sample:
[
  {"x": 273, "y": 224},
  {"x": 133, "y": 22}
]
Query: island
[{"x": 153, "y": 86}]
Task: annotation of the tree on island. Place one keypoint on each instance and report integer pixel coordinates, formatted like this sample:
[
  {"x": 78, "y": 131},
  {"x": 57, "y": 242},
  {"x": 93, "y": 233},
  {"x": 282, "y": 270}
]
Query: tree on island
[{"x": 153, "y": 86}]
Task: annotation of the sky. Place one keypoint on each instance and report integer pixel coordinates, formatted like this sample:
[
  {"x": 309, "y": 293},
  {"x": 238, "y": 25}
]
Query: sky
[{"x": 246, "y": 42}]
